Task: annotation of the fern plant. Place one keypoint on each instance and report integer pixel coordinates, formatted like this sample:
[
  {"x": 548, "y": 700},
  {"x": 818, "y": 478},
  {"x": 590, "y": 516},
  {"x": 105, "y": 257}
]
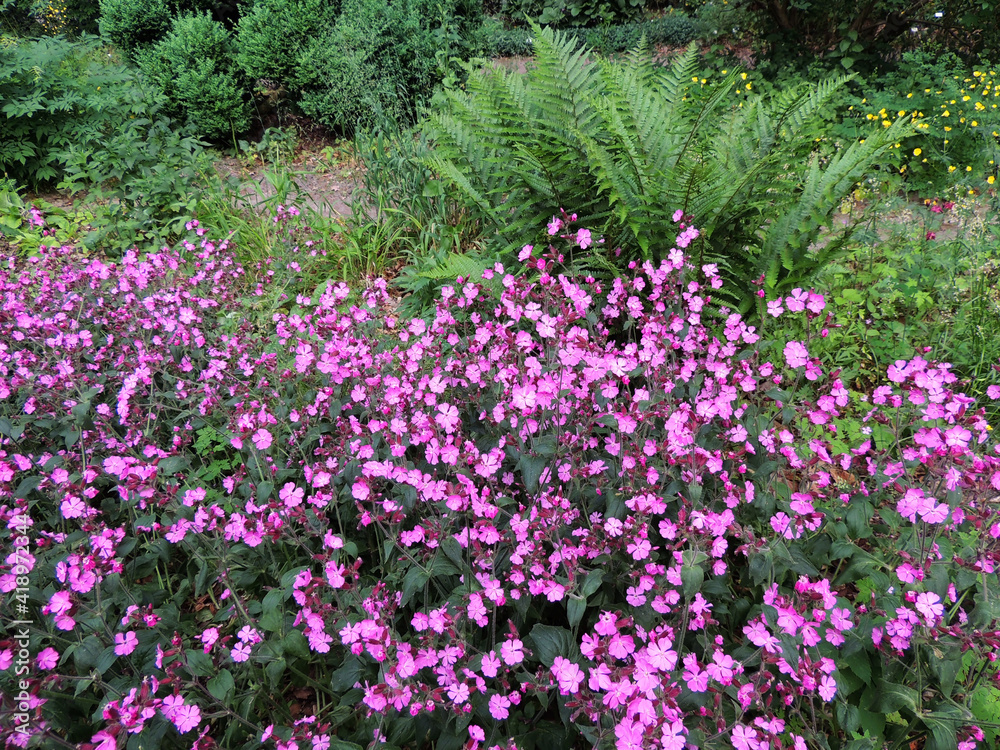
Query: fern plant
[{"x": 626, "y": 143}]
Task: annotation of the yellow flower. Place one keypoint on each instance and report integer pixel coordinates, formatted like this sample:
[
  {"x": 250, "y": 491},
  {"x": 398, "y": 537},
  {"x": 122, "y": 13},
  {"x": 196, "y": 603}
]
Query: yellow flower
[
  {"x": 975, "y": 124},
  {"x": 946, "y": 113},
  {"x": 886, "y": 123},
  {"x": 901, "y": 113},
  {"x": 991, "y": 179},
  {"x": 917, "y": 152},
  {"x": 968, "y": 169},
  {"x": 951, "y": 168},
  {"x": 909, "y": 96},
  {"x": 947, "y": 129},
  {"x": 743, "y": 76},
  {"x": 748, "y": 86}
]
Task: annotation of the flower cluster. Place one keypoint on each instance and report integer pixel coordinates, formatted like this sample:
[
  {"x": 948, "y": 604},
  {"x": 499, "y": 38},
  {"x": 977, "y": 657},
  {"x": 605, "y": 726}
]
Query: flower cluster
[{"x": 618, "y": 509}]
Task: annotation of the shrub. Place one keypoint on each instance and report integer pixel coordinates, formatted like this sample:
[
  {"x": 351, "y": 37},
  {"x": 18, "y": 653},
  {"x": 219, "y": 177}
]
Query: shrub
[
  {"x": 672, "y": 29},
  {"x": 375, "y": 64},
  {"x": 623, "y": 141},
  {"x": 956, "y": 113},
  {"x": 194, "y": 66},
  {"x": 58, "y": 95},
  {"x": 133, "y": 24},
  {"x": 272, "y": 33},
  {"x": 564, "y": 13},
  {"x": 500, "y": 525}
]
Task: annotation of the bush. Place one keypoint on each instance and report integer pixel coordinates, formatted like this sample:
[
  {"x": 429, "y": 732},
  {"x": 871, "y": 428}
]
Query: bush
[
  {"x": 271, "y": 35},
  {"x": 376, "y": 64},
  {"x": 566, "y": 13},
  {"x": 499, "y": 525},
  {"x": 673, "y": 29},
  {"x": 194, "y": 66},
  {"x": 58, "y": 95},
  {"x": 133, "y": 24}
]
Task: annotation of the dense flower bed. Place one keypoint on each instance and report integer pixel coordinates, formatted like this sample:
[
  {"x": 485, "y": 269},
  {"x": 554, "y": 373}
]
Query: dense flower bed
[{"x": 553, "y": 515}]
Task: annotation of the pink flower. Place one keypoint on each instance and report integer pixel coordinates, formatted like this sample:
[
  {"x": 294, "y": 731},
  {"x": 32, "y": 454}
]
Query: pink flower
[
  {"x": 583, "y": 238},
  {"x": 796, "y": 354},
  {"x": 555, "y": 225},
  {"x": 125, "y": 643},
  {"x": 240, "y": 652},
  {"x": 291, "y": 495},
  {"x": 512, "y": 652},
  {"x": 47, "y": 659},
  {"x": 568, "y": 675},
  {"x": 262, "y": 439},
  {"x": 499, "y": 706}
]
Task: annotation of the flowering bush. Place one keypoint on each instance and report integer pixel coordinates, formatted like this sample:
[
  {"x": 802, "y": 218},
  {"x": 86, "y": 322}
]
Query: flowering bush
[{"x": 553, "y": 514}]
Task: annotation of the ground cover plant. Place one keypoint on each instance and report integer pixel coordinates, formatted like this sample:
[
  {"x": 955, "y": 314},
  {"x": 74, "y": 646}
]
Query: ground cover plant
[{"x": 557, "y": 513}]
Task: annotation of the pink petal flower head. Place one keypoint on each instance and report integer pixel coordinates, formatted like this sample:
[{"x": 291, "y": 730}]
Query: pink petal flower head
[
  {"x": 583, "y": 238},
  {"x": 796, "y": 355},
  {"x": 125, "y": 643},
  {"x": 555, "y": 225},
  {"x": 262, "y": 439}
]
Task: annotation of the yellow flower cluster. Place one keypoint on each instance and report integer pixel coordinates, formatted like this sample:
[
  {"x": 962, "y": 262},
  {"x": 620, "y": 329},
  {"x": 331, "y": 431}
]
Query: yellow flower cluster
[
  {"x": 978, "y": 97},
  {"x": 53, "y": 17}
]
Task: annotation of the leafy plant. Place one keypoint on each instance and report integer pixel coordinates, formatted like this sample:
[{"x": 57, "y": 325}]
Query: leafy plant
[
  {"x": 148, "y": 174},
  {"x": 194, "y": 66},
  {"x": 58, "y": 95},
  {"x": 378, "y": 62},
  {"x": 133, "y": 24},
  {"x": 271, "y": 35},
  {"x": 562, "y": 13},
  {"x": 501, "y": 525},
  {"x": 622, "y": 141}
]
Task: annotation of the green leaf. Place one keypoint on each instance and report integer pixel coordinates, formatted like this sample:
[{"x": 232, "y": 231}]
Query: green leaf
[
  {"x": 222, "y": 685},
  {"x": 413, "y": 582},
  {"x": 531, "y": 468},
  {"x": 275, "y": 670},
  {"x": 264, "y": 491},
  {"x": 575, "y": 610},
  {"x": 169, "y": 466},
  {"x": 550, "y": 641},
  {"x": 893, "y": 697},
  {"x": 199, "y": 663},
  {"x": 272, "y": 611},
  {"x": 345, "y": 676},
  {"x": 451, "y": 547},
  {"x": 107, "y": 658},
  {"x": 592, "y": 582}
]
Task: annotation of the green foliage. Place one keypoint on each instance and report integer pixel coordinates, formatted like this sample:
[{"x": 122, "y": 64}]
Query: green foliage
[
  {"x": 26, "y": 226},
  {"x": 955, "y": 108},
  {"x": 57, "y": 95},
  {"x": 561, "y": 13},
  {"x": 379, "y": 61},
  {"x": 856, "y": 36},
  {"x": 917, "y": 275},
  {"x": 194, "y": 66},
  {"x": 627, "y": 143},
  {"x": 133, "y": 24},
  {"x": 272, "y": 33},
  {"x": 148, "y": 174},
  {"x": 672, "y": 29}
]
